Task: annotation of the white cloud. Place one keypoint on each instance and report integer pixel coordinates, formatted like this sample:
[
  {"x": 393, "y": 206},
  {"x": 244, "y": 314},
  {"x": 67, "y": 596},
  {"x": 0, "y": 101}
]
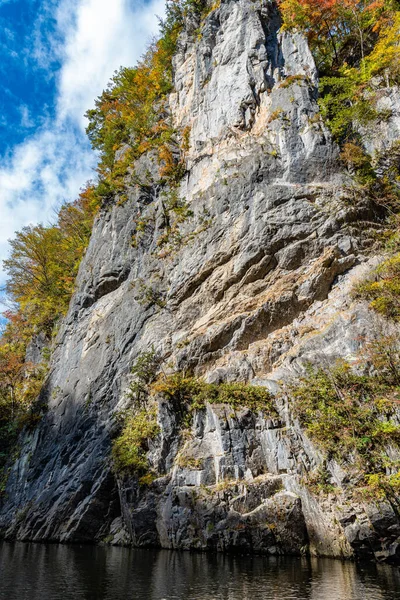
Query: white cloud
[
  {"x": 92, "y": 39},
  {"x": 101, "y": 42},
  {"x": 26, "y": 120},
  {"x": 8, "y": 33}
]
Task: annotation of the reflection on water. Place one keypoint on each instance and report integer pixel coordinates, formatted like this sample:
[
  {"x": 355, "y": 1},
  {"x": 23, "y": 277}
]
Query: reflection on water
[{"x": 52, "y": 572}]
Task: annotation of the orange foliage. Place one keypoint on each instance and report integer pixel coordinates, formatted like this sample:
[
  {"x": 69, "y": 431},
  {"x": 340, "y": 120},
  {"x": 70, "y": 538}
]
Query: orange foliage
[{"x": 338, "y": 30}]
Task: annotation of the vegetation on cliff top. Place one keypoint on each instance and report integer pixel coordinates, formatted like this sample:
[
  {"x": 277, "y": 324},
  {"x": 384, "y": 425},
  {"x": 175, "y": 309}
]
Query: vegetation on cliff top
[
  {"x": 340, "y": 32},
  {"x": 355, "y": 45},
  {"x": 44, "y": 262},
  {"x": 131, "y": 116},
  {"x": 357, "y": 51}
]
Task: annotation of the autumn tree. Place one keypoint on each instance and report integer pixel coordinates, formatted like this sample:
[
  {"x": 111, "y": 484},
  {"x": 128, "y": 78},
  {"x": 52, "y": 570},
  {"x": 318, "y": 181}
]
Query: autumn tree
[
  {"x": 12, "y": 367},
  {"x": 338, "y": 31},
  {"x": 130, "y": 117},
  {"x": 37, "y": 274},
  {"x": 44, "y": 262}
]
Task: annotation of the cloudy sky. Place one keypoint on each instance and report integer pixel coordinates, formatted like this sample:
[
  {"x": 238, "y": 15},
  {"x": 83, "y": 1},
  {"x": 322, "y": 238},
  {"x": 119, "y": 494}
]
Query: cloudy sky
[{"x": 56, "y": 56}]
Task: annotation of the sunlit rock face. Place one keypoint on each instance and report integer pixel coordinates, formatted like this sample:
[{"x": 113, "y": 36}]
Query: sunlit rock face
[{"x": 258, "y": 285}]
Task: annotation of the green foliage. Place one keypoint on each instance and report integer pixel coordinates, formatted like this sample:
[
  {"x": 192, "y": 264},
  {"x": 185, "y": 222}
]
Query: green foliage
[
  {"x": 176, "y": 212},
  {"x": 384, "y": 189},
  {"x": 344, "y": 104},
  {"x": 338, "y": 31},
  {"x": 350, "y": 415},
  {"x": 144, "y": 372},
  {"x": 126, "y": 112},
  {"x": 382, "y": 287},
  {"x": 379, "y": 486},
  {"x": 383, "y": 290},
  {"x": 44, "y": 262},
  {"x": 177, "y": 10},
  {"x": 384, "y": 59},
  {"x": 320, "y": 480},
  {"x": 195, "y": 393},
  {"x": 377, "y": 178},
  {"x": 359, "y": 164},
  {"x": 130, "y": 447},
  {"x": 129, "y": 117},
  {"x": 36, "y": 272},
  {"x": 147, "y": 479},
  {"x": 140, "y": 423},
  {"x": 148, "y": 296}
]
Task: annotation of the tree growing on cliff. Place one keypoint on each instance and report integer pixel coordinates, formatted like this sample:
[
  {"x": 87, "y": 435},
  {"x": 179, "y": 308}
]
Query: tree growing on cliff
[
  {"x": 38, "y": 274},
  {"x": 12, "y": 366},
  {"x": 338, "y": 31},
  {"x": 130, "y": 116},
  {"x": 44, "y": 262}
]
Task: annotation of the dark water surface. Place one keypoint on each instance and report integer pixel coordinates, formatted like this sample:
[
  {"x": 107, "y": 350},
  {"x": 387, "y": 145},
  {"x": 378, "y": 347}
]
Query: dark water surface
[{"x": 52, "y": 572}]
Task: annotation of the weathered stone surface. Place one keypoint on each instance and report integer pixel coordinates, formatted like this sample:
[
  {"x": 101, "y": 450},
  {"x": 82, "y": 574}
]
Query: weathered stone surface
[
  {"x": 258, "y": 286},
  {"x": 35, "y": 349},
  {"x": 387, "y": 130}
]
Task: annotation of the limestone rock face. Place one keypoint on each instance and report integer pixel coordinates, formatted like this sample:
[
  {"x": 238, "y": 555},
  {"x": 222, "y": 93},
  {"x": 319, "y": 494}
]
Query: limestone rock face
[
  {"x": 255, "y": 285},
  {"x": 387, "y": 131}
]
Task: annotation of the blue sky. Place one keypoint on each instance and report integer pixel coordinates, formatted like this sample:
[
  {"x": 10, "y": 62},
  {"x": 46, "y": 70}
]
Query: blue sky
[
  {"x": 56, "y": 57},
  {"x": 25, "y": 87}
]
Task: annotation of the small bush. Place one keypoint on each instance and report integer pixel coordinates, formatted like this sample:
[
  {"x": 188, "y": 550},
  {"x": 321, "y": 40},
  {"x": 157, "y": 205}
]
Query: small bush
[
  {"x": 195, "y": 393},
  {"x": 291, "y": 80},
  {"x": 130, "y": 447},
  {"x": 144, "y": 372},
  {"x": 379, "y": 486},
  {"x": 383, "y": 290},
  {"x": 320, "y": 481},
  {"x": 349, "y": 415},
  {"x": 140, "y": 424},
  {"x": 189, "y": 462},
  {"x": 148, "y": 296}
]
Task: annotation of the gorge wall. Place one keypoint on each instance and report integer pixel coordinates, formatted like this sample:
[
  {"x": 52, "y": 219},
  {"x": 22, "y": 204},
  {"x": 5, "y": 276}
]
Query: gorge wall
[{"x": 258, "y": 286}]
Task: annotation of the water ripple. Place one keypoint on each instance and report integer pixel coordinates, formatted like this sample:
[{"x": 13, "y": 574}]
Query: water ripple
[{"x": 55, "y": 572}]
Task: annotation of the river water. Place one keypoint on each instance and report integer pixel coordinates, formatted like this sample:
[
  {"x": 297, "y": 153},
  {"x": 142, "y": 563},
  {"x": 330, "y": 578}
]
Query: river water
[{"x": 55, "y": 572}]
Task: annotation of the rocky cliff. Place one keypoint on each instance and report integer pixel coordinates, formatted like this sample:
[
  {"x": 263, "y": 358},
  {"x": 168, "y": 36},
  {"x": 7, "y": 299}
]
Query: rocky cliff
[{"x": 254, "y": 284}]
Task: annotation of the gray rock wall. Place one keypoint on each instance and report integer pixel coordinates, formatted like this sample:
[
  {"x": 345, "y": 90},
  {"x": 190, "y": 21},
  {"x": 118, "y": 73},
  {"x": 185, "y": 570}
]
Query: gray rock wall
[{"x": 256, "y": 285}]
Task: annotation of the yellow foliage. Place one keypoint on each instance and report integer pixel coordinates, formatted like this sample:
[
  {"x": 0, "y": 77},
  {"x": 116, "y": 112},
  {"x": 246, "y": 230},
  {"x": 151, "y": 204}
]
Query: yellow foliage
[
  {"x": 44, "y": 262},
  {"x": 384, "y": 59},
  {"x": 129, "y": 448}
]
